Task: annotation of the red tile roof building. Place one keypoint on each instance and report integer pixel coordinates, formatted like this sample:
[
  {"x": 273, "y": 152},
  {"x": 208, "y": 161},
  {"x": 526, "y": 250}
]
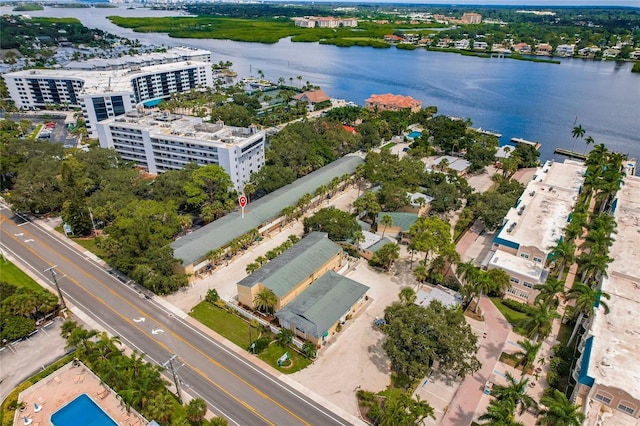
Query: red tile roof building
[{"x": 390, "y": 102}]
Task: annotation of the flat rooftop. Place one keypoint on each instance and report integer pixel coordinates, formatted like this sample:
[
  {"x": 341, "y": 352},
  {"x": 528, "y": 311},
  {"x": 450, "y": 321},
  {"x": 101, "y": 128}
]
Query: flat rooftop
[
  {"x": 167, "y": 124},
  {"x": 426, "y": 294},
  {"x": 520, "y": 265},
  {"x": 103, "y": 81},
  {"x": 543, "y": 210},
  {"x": 126, "y": 61},
  {"x": 616, "y": 341}
]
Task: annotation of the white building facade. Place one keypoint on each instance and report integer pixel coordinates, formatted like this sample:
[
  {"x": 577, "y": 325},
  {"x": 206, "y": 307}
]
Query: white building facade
[
  {"x": 105, "y": 94},
  {"x": 160, "y": 142},
  {"x": 533, "y": 226}
]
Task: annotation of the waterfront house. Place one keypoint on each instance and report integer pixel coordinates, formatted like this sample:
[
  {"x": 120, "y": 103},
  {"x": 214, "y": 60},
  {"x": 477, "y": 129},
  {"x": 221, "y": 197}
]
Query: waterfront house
[
  {"x": 522, "y": 48},
  {"x": 444, "y": 42},
  {"x": 312, "y": 98},
  {"x": 544, "y": 49},
  {"x": 390, "y": 102},
  {"x": 392, "y": 38},
  {"x": 461, "y": 44},
  {"x": 480, "y": 45},
  {"x": 565, "y": 49}
]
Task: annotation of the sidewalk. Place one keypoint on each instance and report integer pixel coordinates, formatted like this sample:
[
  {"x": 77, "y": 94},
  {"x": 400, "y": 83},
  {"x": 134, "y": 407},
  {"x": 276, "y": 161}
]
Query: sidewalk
[{"x": 463, "y": 407}]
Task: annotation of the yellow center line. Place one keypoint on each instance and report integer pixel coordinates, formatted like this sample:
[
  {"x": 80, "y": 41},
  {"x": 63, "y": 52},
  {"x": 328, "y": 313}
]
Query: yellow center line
[{"x": 143, "y": 313}]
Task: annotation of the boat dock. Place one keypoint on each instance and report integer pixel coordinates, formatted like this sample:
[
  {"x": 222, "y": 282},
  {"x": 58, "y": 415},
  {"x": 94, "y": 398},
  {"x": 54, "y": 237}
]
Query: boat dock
[
  {"x": 488, "y": 132},
  {"x": 524, "y": 141},
  {"x": 570, "y": 154}
]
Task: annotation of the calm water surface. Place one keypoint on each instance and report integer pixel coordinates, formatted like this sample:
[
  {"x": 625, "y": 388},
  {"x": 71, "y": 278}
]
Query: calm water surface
[{"x": 535, "y": 101}]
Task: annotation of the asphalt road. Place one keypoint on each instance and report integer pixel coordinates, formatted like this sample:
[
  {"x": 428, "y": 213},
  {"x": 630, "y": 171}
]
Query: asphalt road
[{"x": 233, "y": 387}]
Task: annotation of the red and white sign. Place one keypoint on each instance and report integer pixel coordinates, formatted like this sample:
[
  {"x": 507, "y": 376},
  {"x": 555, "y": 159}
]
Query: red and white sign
[{"x": 242, "y": 200}]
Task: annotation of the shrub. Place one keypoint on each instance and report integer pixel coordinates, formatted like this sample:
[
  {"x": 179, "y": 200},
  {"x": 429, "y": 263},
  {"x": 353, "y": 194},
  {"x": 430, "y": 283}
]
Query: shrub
[
  {"x": 261, "y": 344},
  {"x": 212, "y": 296},
  {"x": 517, "y": 306}
]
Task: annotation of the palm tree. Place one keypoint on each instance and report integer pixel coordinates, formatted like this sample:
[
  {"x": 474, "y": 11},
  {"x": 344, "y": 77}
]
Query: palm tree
[
  {"x": 549, "y": 291},
  {"x": 358, "y": 238},
  {"x": 587, "y": 299},
  {"x": 386, "y": 220},
  {"x": 559, "y": 411},
  {"x": 420, "y": 272},
  {"x": 482, "y": 286},
  {"x": 563, "y": 254},
  {"x": 515, "y": 393},
  {"x": 500, "y": 413},
  {"x": 284, "y": 337},
  {"x": 196, "y": 410},
  {"x": 593, "y": 266},
  {"x": 587, "y": 141},
  {"x": 577, "y": 132},
  {"x": 161, "y": 407},
  {"x": 467, "y": 272},
  {"x": 527, "y": 356},
  {"x": 265, "y": 301},
  {"x": 407, "y": 295},
  {"x": 540, "y": 321},
  {"x": 499, "y": 279},
  {"x": 81, "y": 338}
]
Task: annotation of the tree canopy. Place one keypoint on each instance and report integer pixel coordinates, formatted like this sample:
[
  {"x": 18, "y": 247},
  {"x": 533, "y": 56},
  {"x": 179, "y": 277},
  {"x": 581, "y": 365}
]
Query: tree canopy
[
  {"x": 338, "y": 224},
  {"x": 418, "y": 336}
]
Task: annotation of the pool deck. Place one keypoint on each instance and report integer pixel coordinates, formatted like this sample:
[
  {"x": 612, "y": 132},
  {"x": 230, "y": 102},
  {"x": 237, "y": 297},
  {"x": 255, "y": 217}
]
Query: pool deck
[{"x": 64, "y": 385}]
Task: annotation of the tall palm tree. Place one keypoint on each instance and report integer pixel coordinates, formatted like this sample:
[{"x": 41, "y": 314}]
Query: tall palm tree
[
  {"x": 549, "y": 291},
  {"x": 577, "y": 132},
  {"x": 527, "y": 356},
  {"x": 515, "y": 393},
  {"x": 482, "y": 286},
  {"x": 540, "y": 321},
  {"x": 563, "y": 254},
  {"x": 559, "y": 411},
  {"x": 499, "y": 279},
  {"x": 588, "y": 141},
  {"x": 265, "y": 301},
  {"x": 587, "y": 299},
  {"x": 593, "y": 266},
  {"x": 500, "y": 413},
  {"x": 467, "y": 272},
  {"x": 387, "y": 221}
]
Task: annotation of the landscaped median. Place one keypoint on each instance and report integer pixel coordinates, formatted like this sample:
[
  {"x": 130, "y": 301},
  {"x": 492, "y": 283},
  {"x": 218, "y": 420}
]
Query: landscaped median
[{"x": 230, "y": 325}]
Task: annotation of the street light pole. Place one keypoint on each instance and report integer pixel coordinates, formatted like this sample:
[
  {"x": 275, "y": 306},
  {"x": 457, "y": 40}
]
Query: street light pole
[
  {"x": 55, "y": 282},
  {"x": 93, "y": 224},
  {"x": 174, "y": 373}
]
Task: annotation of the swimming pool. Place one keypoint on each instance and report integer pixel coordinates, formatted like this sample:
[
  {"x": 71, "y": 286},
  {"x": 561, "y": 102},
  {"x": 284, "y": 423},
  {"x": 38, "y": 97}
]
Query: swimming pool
[
  {"x": 81, "y": 411},
  {"x": 414, "y": 134}
]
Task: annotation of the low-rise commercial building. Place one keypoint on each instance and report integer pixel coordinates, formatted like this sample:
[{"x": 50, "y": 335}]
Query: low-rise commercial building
[
  {"x": 608, "y": 383},
  {"x": 265, "y": 215},
  {"x": 533, "y": 226},
  {"x": 162, "y": 141}
]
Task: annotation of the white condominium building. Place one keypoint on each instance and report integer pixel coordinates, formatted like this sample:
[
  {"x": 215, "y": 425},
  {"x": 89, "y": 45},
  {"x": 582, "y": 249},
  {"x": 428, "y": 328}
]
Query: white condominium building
[
  {"x": 172, "y": 55},
  {"x": 104, "y": 94},
  {"x": 162, "y": 141},
  {"x": 532, "y": 228},
  {"x": 606, "y": 372}
]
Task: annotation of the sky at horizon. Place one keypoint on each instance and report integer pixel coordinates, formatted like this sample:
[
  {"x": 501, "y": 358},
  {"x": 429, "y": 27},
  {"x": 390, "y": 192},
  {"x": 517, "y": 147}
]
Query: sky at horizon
[{"x": 517, "y": 3}]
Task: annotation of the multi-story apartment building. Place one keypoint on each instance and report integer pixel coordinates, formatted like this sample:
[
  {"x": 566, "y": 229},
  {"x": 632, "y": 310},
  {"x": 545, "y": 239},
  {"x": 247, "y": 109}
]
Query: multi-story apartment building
[
  {"x": 162, "y": 141},
  {"x": 174, "y": 54},
  {"x": 608, "y": 382},
  {"x": 324, "y": 22},
  {"x": 533, "y": 226},
  {"x": 471, "y": 18},
  {"x": 104, "y": 94}
]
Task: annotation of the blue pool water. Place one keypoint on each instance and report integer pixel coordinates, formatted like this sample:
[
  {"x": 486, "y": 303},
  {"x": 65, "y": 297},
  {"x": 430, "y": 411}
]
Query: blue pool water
[
  {"x": 414, "y": 135},
  {"x": 81, "y": 411}
]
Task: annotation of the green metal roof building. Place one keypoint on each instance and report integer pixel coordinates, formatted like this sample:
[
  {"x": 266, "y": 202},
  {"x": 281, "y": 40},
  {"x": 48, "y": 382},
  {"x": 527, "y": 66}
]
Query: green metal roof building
[
  {"x": 318, "y": 310},
  {"x": 192, "y": 248},
  {"x": 293, "y": 267}
]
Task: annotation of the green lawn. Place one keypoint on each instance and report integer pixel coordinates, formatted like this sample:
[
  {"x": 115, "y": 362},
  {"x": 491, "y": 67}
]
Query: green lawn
[
  {"x": 275, "y": 351},
  {"x": 389, "y": 145},
  {"x": 564, "y": 333},
  {"x": 88, "y": 244},
  {"x": 13, "y": 275},
  {"x": 236, "y": 330},
  {"x": 513, "y": 317},
  {"x": 224, "y": 323}
]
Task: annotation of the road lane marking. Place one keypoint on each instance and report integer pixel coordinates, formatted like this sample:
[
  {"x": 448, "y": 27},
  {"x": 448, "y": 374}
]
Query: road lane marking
[
  {"x": 177, "y": 337},
  {"x": 81, "y": 268},
  {"x": 141, "y": 319}
]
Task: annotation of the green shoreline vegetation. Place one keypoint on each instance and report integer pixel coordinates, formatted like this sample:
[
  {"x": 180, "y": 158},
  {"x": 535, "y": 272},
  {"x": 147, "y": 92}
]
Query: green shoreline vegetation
[{"x": 592, "y": 27}]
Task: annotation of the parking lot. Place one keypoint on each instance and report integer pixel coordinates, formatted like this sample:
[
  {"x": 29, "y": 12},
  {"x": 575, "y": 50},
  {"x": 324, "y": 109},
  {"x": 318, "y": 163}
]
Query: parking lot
[
  {"x": 56, "y": 131},
  {"x": 22, "y": 359}
]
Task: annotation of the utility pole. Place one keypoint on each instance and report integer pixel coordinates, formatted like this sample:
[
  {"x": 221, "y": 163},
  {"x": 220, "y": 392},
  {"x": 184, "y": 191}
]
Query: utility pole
[
  {"x": 93, "y": 224},
  {"x": 174, "y": 373},
  {"x": 55, "y": 282}
]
